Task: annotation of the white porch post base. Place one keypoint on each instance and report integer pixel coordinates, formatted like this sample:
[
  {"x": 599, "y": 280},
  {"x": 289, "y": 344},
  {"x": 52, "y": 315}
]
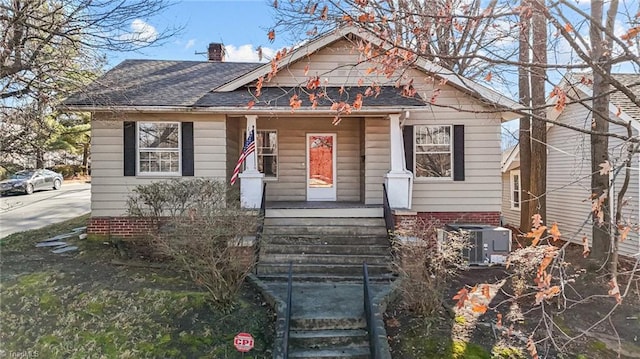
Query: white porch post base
[
  {"x": 399, "y": 189},
  {"x": 250, "y": 189}
]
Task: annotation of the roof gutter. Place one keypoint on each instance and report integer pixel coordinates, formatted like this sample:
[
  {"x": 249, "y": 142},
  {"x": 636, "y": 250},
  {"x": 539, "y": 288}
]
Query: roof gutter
[{"x": 232, "y": 110}]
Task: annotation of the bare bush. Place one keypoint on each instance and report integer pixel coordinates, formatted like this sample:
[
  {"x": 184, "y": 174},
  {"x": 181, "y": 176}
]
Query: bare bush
[
  {"x": 200, "y": 229},
  {"x": 427, "y": 264}
]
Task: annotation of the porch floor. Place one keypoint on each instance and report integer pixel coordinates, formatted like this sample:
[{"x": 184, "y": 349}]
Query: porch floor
[{"x": 317, "y": 204}]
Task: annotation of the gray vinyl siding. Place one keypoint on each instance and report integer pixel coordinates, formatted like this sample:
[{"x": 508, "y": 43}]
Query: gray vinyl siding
[
  {"x": 110, "y": 188},
  {"x": 509, "y": 216},
  {"x": 292, "y": 131},
  {"x": 568, "y": 179}
]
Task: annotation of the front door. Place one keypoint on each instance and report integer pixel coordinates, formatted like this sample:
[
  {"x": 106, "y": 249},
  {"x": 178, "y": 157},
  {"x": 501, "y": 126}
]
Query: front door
[{"x": 321, "y": 167}]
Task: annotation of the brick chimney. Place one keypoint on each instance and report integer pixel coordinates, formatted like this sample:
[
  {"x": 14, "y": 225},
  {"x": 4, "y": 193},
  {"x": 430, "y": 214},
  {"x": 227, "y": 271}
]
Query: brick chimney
[{"x": 216, "y": 52}]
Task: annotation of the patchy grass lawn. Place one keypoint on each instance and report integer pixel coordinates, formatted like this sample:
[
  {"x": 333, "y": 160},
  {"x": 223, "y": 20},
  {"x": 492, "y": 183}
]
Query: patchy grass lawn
[{"x": 79, "y": 305}]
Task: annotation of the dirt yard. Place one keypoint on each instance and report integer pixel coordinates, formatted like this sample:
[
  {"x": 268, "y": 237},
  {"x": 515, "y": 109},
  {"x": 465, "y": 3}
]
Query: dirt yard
[
  {"x": 585, "y": 322},
  {"x": 80, "y": 305}
]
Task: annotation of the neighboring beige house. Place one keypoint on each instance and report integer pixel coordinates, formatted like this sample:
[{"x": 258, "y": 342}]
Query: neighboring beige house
[
  {"x": 154, "y": 120},
  {"x": 569, "y": 165},
  {"x": 511, "y": 186}
]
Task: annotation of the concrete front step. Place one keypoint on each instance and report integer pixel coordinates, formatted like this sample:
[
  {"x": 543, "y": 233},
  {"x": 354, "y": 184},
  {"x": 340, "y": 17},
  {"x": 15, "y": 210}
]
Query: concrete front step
[
  {"x": 324, "y": 278},
  {"x": 325, "y": 249},
  {"x": 305, "y": 258},
  {"x": 343, "y": 230},
  {"x": 265, "y": 268},
  {"x": 365, "y": 212},
  {"x": 359, "y": 352},
  {"x": 324, "y": 221},
  {"x": 320, "y": 339},
  {"x": 329, "y": 323},
  {"x": 304, "y": 239}
]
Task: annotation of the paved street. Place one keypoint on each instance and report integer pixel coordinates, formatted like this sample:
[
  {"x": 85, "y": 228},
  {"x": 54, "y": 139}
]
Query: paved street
[{"x": 21, "y": 212}]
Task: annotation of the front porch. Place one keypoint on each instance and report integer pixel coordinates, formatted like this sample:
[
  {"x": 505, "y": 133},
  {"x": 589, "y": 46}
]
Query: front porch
[{"x": 354, "y": 159}]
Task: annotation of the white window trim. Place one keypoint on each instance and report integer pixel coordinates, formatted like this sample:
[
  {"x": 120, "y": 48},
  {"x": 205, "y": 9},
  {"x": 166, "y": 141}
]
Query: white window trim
[
  {"x": 415, "y": 153},
  {"x": 277, "y": 154},
  {"x": 159, "y": 174},
  {"x": 512, "y": 174}
]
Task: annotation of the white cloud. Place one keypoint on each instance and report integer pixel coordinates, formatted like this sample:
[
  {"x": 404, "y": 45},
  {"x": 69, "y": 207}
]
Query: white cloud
[
  {"x": 141, "y": 32},
  {"x": 190, "y": 43},
  {"x": 246, "y": 53}
]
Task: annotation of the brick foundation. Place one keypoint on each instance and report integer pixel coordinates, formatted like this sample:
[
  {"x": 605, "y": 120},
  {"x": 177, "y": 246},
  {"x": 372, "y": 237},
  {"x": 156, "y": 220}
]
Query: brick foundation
[
  {"x": 122, "y": 227},
  {"x": 439, "y": 219}
]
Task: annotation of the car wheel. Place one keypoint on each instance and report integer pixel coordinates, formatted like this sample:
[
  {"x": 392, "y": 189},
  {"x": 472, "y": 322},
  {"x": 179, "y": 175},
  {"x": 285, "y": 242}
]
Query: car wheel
[
  {"x": 29, "y": 189},
  {"x": 57, "y": 184}
]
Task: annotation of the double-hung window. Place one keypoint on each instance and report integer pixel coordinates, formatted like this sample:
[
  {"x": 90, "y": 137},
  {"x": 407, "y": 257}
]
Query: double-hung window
[
  {"x": 159, "y": 148},
  {"x": 267, "y": 145},
  {"x": 515, "y": 189},
  {"x": 433, "y": 151}
]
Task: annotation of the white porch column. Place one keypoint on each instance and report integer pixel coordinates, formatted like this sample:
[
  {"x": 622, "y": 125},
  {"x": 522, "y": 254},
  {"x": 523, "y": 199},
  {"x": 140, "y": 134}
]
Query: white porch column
[
  {"x": 399, "y": 181},
  {"x": 250, "y": 178}
]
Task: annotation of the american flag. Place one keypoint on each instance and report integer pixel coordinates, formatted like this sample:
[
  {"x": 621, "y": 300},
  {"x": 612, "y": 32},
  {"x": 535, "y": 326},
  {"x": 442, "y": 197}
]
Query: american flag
[{"x": 249, "y": 146}]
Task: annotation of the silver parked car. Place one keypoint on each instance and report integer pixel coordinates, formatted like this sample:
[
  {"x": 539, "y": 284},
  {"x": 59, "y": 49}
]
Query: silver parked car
[{"x": 31, "y": 180}]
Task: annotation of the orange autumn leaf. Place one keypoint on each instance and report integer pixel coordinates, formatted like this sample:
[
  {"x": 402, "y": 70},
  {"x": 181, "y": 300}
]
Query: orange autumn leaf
[
  {"x": 271, "y": 35},
  {"x": 357, "y": 103},
  {"x": 462, "y": 296},
  {"x": 306, "y": 69},
  {"x": 479, "y": 308},
  {"x": 531, "y": 348},
  {"x": 547, "y": 294},
  {"x": 555, "y": 232},
  {"x": 259, "y": 86},
  {"x": 536, "y": 234},
  {"x": 568, "y": 27},
  {"x": 631, "y": 33},
  {"x": 624, "y": 232},
  {"x": 614, "y": 290},
  {"x": 313, "y": 83},
  {"x": 294, "y": 102},
  {"x": 341, "y": 90},
  {"x": 618, "y": 111},
  {"x": 370, "y": 70},
  {"x": 325, "y": 13},
  {"x": 488, "y": 77},
  {"x": 250, "y": 104}
]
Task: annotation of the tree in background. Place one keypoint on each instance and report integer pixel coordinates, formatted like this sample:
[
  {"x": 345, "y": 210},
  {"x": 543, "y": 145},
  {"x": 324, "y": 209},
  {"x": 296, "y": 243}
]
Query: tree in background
[{"x": 52, "y": 48}]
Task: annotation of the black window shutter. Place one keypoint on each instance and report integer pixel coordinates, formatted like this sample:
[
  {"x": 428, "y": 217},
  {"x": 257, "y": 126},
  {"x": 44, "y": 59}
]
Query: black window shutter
[
  {"x": 407, "y": 135},
  {"x": 187, "y": 149},
  {"x": 129, "y": 148},
  {"x": 458, "y": 153}
]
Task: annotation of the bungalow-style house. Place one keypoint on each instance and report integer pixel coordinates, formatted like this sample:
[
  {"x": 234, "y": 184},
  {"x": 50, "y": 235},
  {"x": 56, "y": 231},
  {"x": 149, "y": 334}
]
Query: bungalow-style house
[
  {"x": 154, "y": 119},
  {"x": 569, "y": 165}
]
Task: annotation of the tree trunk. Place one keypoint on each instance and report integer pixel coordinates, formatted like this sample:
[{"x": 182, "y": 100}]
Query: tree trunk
[
  {"x": 538, "y": 123},
  {"x": 601, "y": 244},
  {"x": 524, "y": 136}
]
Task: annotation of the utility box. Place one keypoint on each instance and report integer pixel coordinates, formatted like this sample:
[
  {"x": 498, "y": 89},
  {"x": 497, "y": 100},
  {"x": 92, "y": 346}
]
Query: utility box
[{"x": 488, "y": 244}]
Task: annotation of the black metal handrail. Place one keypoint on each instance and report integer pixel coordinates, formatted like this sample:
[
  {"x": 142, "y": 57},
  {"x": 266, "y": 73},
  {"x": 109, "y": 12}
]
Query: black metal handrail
[
  {"x": 260, "y": 227},
  {"x": 287, "y": 316},
  {"x": 374, "y": 348},
  {"x": 389, "y": 220}
]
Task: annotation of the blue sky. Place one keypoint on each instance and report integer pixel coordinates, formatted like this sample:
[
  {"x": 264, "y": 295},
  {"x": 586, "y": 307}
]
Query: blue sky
[{"x": 241, "y": 25}]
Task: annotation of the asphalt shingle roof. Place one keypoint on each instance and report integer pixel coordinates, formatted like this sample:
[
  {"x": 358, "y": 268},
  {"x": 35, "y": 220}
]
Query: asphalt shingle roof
[
  {"x": 158, "y": 83},
  {"x": 632, "y": 81},
  {"x": 280, "y": 97},
  {"x": 191, "y": 84}
]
